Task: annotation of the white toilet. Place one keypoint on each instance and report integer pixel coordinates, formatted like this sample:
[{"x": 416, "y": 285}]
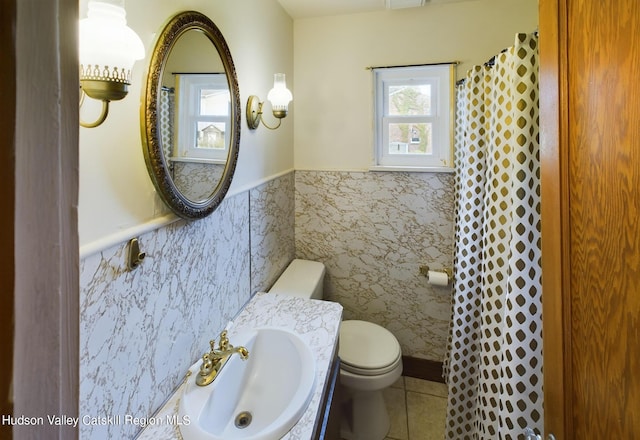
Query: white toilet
[{"x": 370, "y": 357}]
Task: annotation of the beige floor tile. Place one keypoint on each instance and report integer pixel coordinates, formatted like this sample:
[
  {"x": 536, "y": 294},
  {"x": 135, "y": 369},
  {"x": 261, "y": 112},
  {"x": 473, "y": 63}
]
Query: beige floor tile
[
  {"x": 416, "y": 409},
  {"x": 426, "y": 416},
  {"x": 397, "y": 409},
  {"x": 425, "y": 386}
]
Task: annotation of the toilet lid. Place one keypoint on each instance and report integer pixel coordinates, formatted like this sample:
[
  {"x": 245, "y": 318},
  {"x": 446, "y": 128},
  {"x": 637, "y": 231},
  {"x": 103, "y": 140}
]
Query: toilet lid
[{"x": 366, "y": 345}]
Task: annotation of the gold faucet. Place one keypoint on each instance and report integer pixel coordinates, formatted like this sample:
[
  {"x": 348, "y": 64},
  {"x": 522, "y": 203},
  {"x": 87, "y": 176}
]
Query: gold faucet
[{"x": 214, "y": 360}]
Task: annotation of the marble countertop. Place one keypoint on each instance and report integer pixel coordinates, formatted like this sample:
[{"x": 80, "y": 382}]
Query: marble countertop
[{"x": 316, "y": 322}]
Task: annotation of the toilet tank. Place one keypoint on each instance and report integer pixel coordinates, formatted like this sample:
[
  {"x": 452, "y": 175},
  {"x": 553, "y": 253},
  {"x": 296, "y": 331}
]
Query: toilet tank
[{"x": 303, "y": 278}]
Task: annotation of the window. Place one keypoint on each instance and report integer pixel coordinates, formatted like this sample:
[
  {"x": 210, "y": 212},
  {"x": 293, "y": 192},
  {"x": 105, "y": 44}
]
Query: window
[
  {"x": 413, "y": 107},
  {"x": 203, "y": 109}
]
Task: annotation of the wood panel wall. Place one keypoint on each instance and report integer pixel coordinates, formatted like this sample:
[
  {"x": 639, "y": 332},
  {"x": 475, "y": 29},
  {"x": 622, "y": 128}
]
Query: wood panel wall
[
  {"x": 604, "y": 152},
  {"x": 591, "y": 226}
]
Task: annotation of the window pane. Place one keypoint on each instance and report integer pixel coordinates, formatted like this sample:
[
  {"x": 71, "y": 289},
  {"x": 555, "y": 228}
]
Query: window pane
[
  {"x": 210, "y": 135},
  {"x": 410, "y": 138},
  {"x": 214, "y": 102},
  {"x": 410, "y": 100}
]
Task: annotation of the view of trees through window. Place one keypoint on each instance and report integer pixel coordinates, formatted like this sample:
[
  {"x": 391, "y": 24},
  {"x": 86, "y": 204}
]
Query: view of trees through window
[
  {"x": 215, "y": 104},
  {"x": 411, "y": 137}
]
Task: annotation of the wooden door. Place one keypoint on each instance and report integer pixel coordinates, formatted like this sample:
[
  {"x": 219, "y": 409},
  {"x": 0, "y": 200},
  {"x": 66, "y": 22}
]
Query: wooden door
[{"x": 590, "y": 152}]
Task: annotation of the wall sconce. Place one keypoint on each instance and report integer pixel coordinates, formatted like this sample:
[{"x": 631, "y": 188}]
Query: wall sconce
[
  {"x": 279, "y": 96},
  {"x": 108, "y": 50}
]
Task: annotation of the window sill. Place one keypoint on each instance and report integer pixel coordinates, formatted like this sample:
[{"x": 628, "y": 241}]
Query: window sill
[
  {"x": 412, "y": 169},
  {"x": 198, "y": 160}
]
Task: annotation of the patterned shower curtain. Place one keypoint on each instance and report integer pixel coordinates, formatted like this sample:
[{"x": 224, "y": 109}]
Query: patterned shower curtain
[
  {"x": 165, "y": 118},
  {"x": 494, "y": 364}
]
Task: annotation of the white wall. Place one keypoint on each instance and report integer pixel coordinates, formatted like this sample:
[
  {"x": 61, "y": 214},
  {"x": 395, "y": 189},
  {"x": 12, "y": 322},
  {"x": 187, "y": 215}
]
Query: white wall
[
  {"x": 116, "y": 193},
  {"x": 333, "y": 88}
]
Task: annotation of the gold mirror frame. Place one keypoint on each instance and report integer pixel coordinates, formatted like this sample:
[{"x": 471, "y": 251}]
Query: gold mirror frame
[{"x": 152, "y": 144}]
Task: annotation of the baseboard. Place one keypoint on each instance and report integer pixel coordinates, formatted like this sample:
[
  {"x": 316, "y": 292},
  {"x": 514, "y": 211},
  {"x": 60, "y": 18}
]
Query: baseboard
[{"x": 422, "y": 369}]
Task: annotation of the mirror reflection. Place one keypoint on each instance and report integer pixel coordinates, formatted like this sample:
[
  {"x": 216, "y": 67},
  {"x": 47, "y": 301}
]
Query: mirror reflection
[
  {"x": 196, "y": 108},
  {"x": 191, "y": 116}
]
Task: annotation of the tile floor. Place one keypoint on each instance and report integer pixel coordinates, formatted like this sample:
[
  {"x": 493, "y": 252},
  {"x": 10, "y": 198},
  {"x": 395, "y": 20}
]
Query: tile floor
[{"x": 417, "y": 409}]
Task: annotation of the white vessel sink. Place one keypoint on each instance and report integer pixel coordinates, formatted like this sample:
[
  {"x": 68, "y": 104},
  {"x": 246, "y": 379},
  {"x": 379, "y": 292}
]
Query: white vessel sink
[{"x": 261, "y": 398}]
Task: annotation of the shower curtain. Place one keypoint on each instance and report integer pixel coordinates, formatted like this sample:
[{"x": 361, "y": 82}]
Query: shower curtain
[
  {"x": 165, "y": 118},
  {"x": 494, "y": 363}
]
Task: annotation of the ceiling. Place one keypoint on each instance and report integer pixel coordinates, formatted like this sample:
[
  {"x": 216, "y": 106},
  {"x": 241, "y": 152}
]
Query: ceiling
[{"x": 316, "y": 8}]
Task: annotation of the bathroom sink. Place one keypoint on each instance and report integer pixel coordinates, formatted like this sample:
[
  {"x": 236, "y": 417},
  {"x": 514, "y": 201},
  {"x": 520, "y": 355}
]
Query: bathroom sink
[{"x": 260, "y": 398}]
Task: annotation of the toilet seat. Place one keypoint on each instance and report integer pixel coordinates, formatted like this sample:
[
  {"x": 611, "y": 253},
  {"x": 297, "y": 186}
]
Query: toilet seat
[
  {"x": 367, "y": 348},
  {"x": 369, "y": 372}
]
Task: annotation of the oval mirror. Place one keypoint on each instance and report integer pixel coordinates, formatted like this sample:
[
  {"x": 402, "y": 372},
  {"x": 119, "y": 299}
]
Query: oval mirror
[{"x": 191, "y": 116}]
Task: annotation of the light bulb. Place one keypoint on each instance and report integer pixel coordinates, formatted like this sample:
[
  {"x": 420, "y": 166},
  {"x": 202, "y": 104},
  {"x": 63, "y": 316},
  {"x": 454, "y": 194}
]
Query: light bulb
[{"x": 279, "y": 96}]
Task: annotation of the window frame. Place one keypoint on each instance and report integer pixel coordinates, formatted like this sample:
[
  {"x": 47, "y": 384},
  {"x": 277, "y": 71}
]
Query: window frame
[
  {"x": 441, "y": 77},
  {"x": 188, "y": 89}
]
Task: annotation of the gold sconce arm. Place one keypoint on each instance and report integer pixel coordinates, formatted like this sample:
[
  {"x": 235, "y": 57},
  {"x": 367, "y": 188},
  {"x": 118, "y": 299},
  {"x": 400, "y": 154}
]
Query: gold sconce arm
[
  {"x": 254, "y": 114},
  {"x": 105, "y": 91},
  {"x": 103, "y": 114}
]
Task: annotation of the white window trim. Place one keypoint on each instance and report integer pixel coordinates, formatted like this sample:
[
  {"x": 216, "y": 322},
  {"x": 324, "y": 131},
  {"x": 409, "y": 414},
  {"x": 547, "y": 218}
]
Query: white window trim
[
  {"x": 440, "y": 76},
  {"x": 188, "y": 87}
]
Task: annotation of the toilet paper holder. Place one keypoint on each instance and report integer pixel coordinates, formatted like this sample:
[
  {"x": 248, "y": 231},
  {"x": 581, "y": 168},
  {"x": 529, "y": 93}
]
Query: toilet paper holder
[{"x": 424, "y": 270}]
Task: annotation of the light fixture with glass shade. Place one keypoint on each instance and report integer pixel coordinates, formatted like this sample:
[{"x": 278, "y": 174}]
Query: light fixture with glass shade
[
  {"x": 108, "y": 50},
  {"x": 279, "y": 96}
]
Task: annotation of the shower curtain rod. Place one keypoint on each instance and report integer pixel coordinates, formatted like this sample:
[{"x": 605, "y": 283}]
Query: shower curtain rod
[
  {"x": 492, "y": 61},
  {"x": 413, "y": 65},
  {"x": 489, "y": 63}
]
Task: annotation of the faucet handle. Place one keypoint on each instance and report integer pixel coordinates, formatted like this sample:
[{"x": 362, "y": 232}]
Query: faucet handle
[
  {"x": 208, "y": 370},
  {"x": 224, "y": 341},
  {"x": 207, "y": 365}
]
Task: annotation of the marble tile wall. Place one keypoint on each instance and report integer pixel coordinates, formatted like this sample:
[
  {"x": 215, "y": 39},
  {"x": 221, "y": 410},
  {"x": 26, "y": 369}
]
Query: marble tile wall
[
  {"x": 272, "y": 231},
  {"x": 194, "y": 179},
  {"x": 373, "y": 231},
  {"x": 140, "y": 330}
]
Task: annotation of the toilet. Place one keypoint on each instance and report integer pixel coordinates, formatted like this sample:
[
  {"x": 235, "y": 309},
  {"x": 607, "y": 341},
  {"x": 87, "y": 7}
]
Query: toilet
[{"x": 370, "y": 357}]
